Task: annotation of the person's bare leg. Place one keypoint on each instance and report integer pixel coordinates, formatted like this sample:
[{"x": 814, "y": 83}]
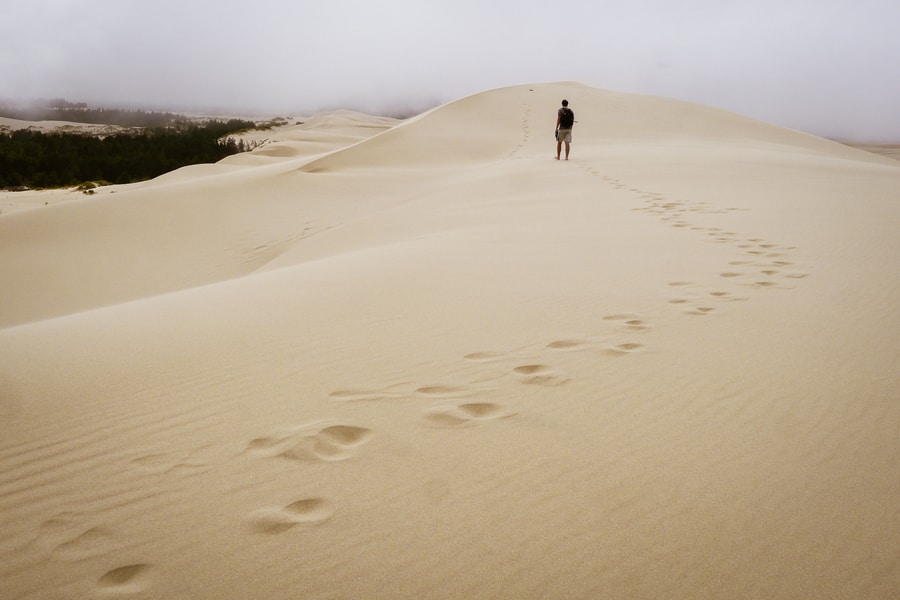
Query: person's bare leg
[
  {"x": 558, "y": 149},
  {"x": 567, "y": 150}
]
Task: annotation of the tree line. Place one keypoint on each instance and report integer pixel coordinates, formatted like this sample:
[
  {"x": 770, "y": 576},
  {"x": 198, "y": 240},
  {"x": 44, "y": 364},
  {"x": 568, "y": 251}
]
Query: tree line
[
  {"x": 31, "y": 159},
  {"x": 59, "y": 109}
]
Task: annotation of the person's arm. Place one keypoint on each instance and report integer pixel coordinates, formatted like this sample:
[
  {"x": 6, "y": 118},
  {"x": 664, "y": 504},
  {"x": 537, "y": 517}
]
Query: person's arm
[{"x": 558, "y": 119}]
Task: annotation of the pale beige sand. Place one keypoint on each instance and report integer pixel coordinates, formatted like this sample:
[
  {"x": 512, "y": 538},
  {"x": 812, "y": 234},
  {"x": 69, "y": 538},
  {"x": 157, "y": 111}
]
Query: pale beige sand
[
  {"x": 440, "y": 364},
  {"x": 889, "y": 150}
]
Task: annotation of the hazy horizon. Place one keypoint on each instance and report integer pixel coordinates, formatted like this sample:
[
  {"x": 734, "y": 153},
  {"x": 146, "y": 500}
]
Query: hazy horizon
[{"x": 828, "y": 67}]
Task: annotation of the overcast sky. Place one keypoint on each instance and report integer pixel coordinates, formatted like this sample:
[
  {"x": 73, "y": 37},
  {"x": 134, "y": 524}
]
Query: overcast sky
[{"x": 829, "y": 67}]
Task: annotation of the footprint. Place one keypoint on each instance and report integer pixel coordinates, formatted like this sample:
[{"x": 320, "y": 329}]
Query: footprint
[
  {"x": 315, "y": 441},
  {"x": 702, "y": 310},
  {"x": 729, "y": 274},
  {"x": 462, "y": 415},
  {"x": 572, "y": 344},
  {"x": 442, "y": 391},
  {"x": 95, "y": 541},
  {"x": 73, "y": 536},
  {"x": 188, "y": 467},
  {"x": 632, "y": 322},
  {"x": 359, "y": 395},
  {"x": 309, "y": 511},
  {"x": 540, "y": 375},
  {"x": 399, "y": 390},
  {"x": 154, "y": 462},
  {"x": 727, "y": 297},
  {"x": 129, "y": 579},
  {"x": 447, "y": 418},
  {"x": 344, "y": 435},
  {"x": 483, "y": 410},
  {"x": 484, "y": 356},
  {"x": 623, "y": 349},
  {"x": 624, "y": 316}
]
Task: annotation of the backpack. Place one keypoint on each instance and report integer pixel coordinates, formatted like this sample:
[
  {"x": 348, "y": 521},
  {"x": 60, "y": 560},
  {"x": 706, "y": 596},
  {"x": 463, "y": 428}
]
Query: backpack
[{"x": 566, "y": 118}]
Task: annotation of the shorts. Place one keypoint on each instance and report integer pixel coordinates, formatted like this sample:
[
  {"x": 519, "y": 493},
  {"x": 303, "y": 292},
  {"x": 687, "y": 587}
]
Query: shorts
[{"x": 565, "y": 135}]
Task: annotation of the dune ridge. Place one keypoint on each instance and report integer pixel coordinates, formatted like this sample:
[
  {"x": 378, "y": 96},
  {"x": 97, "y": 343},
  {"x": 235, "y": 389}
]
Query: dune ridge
[{"x": 423, "y": 359}]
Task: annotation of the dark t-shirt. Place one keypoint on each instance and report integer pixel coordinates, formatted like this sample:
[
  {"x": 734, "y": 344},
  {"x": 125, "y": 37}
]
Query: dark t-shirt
[{"x": 566, "y": 118}]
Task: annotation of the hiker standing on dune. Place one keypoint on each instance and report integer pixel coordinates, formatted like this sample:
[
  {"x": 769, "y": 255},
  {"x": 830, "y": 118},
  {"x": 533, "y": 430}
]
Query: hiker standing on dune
[{"x": 565, "y": 119}]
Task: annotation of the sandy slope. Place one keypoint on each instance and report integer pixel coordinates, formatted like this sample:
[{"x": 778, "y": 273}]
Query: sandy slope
[
  {"x": 889, "y": 150},
  {"x": 438, "y": 363}
]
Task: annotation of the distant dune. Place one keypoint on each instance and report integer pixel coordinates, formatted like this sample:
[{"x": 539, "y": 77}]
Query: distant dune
[
  {"x": 423, "y": 359},
  {"x": 48, "y": 126},
  {"x": 889, "y": 150}
]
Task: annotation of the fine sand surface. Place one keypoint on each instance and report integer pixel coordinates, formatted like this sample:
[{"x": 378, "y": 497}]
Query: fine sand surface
[{"x": 424, "y": 359}]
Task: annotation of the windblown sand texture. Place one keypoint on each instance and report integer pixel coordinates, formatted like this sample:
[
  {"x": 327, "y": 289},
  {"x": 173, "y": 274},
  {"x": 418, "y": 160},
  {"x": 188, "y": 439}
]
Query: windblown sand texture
[{"x": 424, "y": 359}]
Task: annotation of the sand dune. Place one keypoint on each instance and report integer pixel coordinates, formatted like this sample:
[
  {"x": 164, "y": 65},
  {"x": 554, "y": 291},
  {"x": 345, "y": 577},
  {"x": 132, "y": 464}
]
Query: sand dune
[
  {"x": 889, "y": 150},
  {"x": 7, "y": 124},
  {"x": 423, "y": 359}
]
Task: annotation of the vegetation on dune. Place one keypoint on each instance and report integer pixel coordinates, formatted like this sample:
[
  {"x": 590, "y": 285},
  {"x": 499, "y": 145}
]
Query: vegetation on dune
[
  {"x": 31, "y": 159},
  {"x": 59, "y": 109}
]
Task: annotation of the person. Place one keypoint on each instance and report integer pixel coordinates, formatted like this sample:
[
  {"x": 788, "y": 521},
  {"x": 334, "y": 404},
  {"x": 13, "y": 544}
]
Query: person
[{"x": 565, "y": 119}]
